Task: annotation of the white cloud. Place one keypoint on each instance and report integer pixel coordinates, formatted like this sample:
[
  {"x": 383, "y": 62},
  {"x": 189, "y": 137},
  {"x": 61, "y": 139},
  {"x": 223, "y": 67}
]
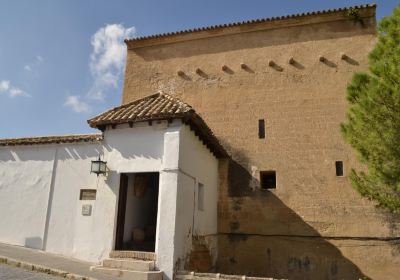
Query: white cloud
[
  {"x": 107, "y": 61},
  {"x": 107, "y": 58},
  {"x": 4, "y": 86},
  {"x": 74, "y": 102},
  {"x": 12, "y": 91},
  {"x": 39, "y": 59}
]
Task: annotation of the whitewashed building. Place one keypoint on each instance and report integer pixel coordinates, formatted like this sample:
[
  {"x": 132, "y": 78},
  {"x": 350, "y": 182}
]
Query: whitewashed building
[{"x": 159, "y": 191}]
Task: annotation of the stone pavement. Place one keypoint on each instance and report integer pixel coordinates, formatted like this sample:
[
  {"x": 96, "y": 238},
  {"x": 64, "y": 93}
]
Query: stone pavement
[
  {"x": 8, "y": 272},
  {"x": 29, "y": 258}
]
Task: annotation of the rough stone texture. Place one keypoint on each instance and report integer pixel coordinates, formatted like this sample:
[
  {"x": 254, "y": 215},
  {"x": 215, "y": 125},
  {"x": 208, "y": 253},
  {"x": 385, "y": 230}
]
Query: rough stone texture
[
  {"x": 129, "y": 274},
  {"x": 314, "y": 225},
  {"x": 134, "y": 255},
  {"x": 200, "y": 258},
  {"x": 129, "y": 264},
  {"x": 184, "y": 275}
]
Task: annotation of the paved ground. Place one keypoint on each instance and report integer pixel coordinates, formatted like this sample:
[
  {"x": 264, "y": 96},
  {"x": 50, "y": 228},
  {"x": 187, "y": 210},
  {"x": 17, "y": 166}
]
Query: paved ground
[
  {"x": 50, "y": 260},
  {"x": 8, "y": 272}
]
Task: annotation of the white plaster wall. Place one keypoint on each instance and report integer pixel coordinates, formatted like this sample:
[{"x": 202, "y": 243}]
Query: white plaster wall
[
  {"x": 205, "y": 170},
  {"x": 25, "y": 177},
  {"x": 184, "y": 218},
  {"x": 196, "y": 161},
  {"x": 166, "y": 217},
  {"x": 165, "y": 239},
  {"x": 174, "y": 151},
  {"x": 186, "y": 162},
  {"x": 137, "y": 149},
  {"x": 69, "y": 232},
  {"x": 126, "y": 150},
  {"x": 27, "y": 200}
]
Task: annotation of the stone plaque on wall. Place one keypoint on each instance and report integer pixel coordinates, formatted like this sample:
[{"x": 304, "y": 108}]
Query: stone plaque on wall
[
  {"x": 86, "y": 210},
  {"x": 87, "y": 194}
]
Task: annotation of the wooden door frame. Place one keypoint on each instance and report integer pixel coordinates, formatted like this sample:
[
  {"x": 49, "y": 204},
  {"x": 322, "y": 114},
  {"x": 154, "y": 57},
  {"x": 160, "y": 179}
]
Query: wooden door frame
[{"x": 123, "y": 189}]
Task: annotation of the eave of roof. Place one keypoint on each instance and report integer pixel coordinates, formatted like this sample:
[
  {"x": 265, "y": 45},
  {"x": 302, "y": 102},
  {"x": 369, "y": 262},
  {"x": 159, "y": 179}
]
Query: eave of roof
[
  {"x": 366, "y": 10},
  {"x": 59, "y": 139},
  {"x": 159, "y": 106}
]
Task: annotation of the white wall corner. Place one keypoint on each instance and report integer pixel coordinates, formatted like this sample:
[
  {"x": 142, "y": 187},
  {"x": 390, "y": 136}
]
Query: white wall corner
[
  {"x": 166, "y": 223},
  {"x": 171, "y": 150}
]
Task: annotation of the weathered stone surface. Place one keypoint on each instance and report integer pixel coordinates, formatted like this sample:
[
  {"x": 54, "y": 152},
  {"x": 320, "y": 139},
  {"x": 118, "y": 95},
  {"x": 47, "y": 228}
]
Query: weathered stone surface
[
  {"x": 134, "y": 255},
  {"x": 314, "y": 225},
  {"x": 184, "y": 275},
  {"x": 129, "y": 264},
  {"x": 129, "y": 274},
  {"x": 200, "y": 258}
]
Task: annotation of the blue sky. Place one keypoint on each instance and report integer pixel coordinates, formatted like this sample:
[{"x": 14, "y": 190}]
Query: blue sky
[{"x": 62, "y": 61}]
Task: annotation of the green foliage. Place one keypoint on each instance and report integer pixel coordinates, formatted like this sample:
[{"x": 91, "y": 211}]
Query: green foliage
[
  {"x": 354, "y": 14},
  {"x": 373, "y": 120}
]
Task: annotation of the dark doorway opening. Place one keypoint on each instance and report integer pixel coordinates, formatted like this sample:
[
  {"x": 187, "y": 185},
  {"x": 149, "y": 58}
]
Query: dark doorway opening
[{"x": 137, "y": 212}]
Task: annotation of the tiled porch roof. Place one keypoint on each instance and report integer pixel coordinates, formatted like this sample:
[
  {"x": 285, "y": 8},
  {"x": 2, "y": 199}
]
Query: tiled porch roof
[
  {"x": 159, "y": 106},
  {"x": 51, "y": 139},
  {"x": 154, "y": 107}
]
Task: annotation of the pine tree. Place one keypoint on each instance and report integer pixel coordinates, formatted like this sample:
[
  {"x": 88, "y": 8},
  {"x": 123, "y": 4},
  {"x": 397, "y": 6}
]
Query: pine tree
[{"x": 373, "y": 121}]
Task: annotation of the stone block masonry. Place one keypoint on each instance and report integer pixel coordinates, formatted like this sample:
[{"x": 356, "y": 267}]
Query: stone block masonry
[{"x": 314, "y": 225}]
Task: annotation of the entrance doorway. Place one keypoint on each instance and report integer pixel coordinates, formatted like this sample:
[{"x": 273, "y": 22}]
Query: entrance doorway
[{"x": 137, "y": 212}]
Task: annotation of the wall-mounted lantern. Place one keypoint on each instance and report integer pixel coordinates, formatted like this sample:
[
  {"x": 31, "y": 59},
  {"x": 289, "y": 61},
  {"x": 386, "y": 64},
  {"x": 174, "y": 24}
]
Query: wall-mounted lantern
[{"x": 98, "y": 167}]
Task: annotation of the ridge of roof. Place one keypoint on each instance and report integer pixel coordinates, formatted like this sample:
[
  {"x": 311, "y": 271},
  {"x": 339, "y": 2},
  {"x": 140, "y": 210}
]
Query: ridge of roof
[
  {"x": 159, "y": 106},
  {"x": 247, "y": 22},
  {"x": 51, "y": 139}
]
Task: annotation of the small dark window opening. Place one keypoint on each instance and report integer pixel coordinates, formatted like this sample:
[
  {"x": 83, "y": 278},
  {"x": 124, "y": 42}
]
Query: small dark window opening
[
  {"x": 268, "y": 180},
  {"x": 261, "y": 129},
  {"x": 200, "y": 197},
  {"x": 339, "y": 168}
]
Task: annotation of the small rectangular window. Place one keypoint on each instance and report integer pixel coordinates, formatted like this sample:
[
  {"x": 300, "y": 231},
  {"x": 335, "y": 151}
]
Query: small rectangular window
[
  {"x": 200, "y": 197},
  {"x": 261, "y": 129},
  {"x": 339, "y": 168},
  {"x": 87, "y": 194},
  {"x": 268, "y": 180}
]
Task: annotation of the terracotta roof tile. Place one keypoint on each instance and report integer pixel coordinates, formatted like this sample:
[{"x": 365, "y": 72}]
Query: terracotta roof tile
[
  {"x": 51, "y": 139},
  {"x": 153, "y": 107},
  {"x": 220, "y": 26},
  {"x": 159, "y": 106}
]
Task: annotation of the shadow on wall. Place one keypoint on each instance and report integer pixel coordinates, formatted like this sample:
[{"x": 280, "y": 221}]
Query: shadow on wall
[
  {"x": 6, "y": 155},
  {"x": 34, "y": 242},
  {"x": 260, "y": 236},
  {"x": 140, "y": 148},
  {"x": 42, "y": 153},
  {"x": 79, "y": 152},
  {"x": 26, "y": 154},
  {"x": 113, "y": 181}
]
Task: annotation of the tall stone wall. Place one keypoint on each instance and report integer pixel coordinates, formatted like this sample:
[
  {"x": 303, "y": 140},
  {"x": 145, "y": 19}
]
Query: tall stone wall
[{"x": 313, "y": 225}]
